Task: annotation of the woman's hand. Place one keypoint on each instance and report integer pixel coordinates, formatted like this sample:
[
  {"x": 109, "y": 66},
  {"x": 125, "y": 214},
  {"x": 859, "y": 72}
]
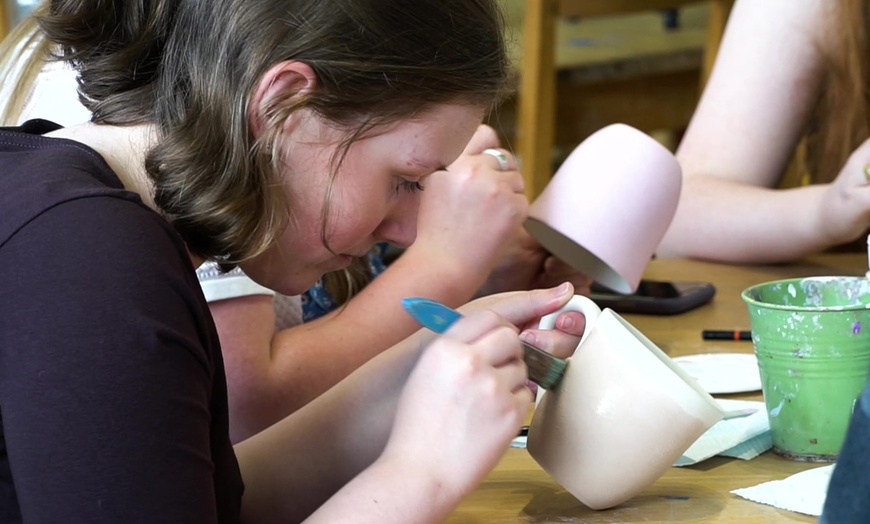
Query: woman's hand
[
  {"x": 469, "y": 212},
  {"x": 525, "y": 265},
  {"x": 463, "y": 403},
  {"x": 467, "y": 397},
  {"x": 524, "y": 310},
  {"x": 844, "y": 211}
]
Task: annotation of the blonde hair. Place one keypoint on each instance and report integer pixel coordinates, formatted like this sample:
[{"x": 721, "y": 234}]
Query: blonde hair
[{"x": 22, "y": 55}]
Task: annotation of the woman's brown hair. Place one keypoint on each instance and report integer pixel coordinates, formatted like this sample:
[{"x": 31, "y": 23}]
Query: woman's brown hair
[
  {"x": 842, "y": 120},
  {"x": 190, "y": 67}
]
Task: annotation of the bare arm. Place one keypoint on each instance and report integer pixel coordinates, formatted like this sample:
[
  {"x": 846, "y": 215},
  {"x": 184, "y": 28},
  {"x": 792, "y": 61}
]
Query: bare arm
[
  {"x": 756, "y": 106},
  {"x": 271, "y": 375},
  {"x": 344, "y": 454}
]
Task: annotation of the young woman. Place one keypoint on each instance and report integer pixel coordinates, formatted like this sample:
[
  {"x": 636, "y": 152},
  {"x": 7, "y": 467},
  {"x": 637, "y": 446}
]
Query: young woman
[
  {"x": 274, "y": 366},
  {"x": 786, "y": 70},
  {"x": 286, "y": 137}
]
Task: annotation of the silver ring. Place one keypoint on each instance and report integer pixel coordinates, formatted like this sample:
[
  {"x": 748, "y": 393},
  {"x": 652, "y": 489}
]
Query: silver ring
[{"x": 500, "y": 156}]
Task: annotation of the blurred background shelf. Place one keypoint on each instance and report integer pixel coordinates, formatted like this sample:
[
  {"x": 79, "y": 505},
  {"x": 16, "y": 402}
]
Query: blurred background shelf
[
  {"x": 584, "y": 64},
  {"x": 12, "y": 11}
]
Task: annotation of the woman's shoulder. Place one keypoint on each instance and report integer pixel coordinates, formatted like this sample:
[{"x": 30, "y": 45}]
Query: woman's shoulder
[{"x": 39, "y": 173}]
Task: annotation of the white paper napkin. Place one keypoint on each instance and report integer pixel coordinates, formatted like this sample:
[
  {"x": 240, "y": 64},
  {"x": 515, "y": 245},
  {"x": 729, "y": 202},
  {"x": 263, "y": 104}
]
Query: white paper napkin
[
  {"x": 743, "y": 437},
  {"x": 802, "y": 492}
]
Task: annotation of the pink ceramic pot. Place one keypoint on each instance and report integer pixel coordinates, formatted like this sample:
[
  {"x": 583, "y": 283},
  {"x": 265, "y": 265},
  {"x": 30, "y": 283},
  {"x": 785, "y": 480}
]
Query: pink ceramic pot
[{"x": 608, "y": 206}]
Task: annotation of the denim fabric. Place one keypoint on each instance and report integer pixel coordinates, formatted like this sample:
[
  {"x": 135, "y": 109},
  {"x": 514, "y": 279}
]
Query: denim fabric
[
  {"x": 317, "y": 301},
  {"x": 848, "y": 499}
]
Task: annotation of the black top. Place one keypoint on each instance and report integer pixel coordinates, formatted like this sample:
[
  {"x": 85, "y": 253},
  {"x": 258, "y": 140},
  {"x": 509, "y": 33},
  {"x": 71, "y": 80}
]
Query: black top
[
  {"x": 113, "y": 399},
  {"x": 847, "y": 501}
]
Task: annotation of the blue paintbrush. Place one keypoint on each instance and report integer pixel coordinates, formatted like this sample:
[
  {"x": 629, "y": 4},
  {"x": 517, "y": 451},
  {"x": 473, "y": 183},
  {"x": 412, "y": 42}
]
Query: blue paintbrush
[{"x": 544, "y": 369}]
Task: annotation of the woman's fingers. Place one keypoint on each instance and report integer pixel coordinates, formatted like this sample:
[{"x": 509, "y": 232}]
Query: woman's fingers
[
  {"x": 484, "y": 137},
  {"x": 521, "y": 308},
  {"x": 495, "y": 338},
  {"x": 555, "y": 342}
]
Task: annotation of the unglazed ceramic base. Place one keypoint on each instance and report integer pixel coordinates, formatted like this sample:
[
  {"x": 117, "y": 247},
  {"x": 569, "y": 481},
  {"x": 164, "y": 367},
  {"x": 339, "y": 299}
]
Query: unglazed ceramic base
[{"x": 577, "y": 256}]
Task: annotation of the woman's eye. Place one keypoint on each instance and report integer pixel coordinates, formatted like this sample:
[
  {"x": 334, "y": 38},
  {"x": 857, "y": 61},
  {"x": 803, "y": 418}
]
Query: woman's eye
[{"x": 411, "y": 186}]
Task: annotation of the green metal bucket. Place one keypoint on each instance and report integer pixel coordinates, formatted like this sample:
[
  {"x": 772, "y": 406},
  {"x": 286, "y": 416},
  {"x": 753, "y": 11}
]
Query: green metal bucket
[{"x": 812, "y": 341}]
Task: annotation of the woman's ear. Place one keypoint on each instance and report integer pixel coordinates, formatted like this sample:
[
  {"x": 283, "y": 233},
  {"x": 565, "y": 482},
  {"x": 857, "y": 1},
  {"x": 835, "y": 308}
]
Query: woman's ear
[{"x": 283, "y": 80}]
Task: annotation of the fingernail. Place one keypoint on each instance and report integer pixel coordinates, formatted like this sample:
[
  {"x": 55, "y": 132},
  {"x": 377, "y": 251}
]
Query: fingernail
[
  {"x": 528, "y": 337},
  {"x": 562, "y": 289},
  {"x": 565, "y": 323}
]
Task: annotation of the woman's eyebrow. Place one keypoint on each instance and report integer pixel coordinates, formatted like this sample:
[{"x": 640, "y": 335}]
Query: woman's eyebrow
[{"x": 431, "y": 166}]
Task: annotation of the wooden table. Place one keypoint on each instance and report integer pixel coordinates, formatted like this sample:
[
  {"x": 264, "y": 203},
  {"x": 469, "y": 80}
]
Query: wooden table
[{"x": 518, "y": 490}]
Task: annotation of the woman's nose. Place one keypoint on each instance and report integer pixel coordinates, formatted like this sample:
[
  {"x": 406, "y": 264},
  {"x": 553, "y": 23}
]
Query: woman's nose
[{"x": 399, "y": 227}]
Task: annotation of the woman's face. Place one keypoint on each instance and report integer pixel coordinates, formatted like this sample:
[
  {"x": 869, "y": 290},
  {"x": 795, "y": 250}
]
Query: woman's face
[{"x": 374, "y": 196}]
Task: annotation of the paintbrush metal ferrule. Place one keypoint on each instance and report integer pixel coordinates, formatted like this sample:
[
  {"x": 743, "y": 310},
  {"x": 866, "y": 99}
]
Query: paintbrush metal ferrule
[{"x": 544, "y": 369}]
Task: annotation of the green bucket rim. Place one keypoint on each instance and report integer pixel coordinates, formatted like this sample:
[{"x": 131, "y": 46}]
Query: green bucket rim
[{"x": 783, "y": 307}]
